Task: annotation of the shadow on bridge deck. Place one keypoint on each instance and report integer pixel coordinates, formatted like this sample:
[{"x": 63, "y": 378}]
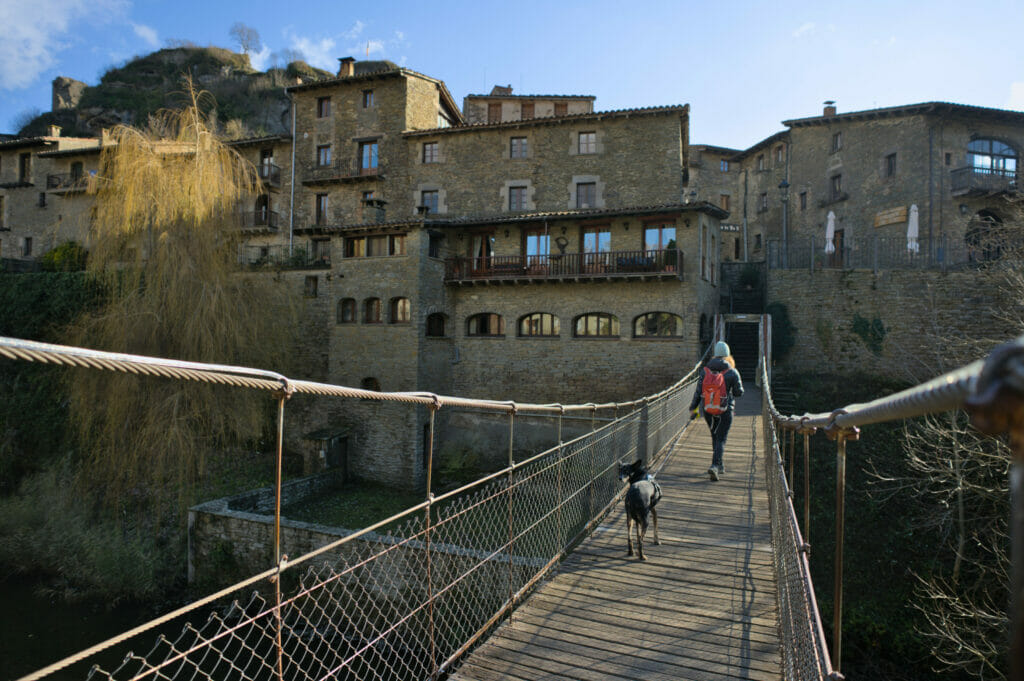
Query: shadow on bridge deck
[{"x": 701, "y": 607}]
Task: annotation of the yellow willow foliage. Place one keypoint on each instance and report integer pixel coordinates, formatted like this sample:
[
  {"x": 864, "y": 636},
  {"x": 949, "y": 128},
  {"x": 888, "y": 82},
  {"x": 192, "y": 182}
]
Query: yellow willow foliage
[{"x": 163, "y": 242}]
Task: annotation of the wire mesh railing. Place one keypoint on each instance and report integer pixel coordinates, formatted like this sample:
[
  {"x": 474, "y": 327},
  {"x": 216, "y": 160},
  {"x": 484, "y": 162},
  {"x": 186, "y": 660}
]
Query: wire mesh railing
[{"x": 406, "y": 597}]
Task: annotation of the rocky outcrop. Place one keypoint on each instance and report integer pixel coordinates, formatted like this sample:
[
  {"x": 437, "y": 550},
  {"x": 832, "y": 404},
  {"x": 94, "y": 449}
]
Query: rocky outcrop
[{"x": 67, "y": 92}]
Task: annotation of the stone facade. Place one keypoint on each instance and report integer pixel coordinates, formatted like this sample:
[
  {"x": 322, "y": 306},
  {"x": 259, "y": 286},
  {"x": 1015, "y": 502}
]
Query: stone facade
[{"x": 501, "y": 106}]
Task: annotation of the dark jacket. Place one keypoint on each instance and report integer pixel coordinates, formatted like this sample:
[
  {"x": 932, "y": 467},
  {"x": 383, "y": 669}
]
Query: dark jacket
[{"x": 733, "y": 383}]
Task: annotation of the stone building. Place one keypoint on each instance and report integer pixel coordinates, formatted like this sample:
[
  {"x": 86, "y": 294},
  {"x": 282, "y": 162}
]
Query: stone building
[{"x": 529, "y": 248}]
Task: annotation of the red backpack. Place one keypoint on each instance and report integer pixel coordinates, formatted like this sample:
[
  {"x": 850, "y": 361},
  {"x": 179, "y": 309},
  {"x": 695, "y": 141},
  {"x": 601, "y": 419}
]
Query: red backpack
[{"x": 713, "y": 392}]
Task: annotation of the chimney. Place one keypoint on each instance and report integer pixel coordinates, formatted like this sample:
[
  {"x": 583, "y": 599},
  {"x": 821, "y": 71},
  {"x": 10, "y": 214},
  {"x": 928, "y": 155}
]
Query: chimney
[
  {"x": 830, "y": 108},
  {"x": 346, "y": 67},
  {"x": 53, "y": 131}
]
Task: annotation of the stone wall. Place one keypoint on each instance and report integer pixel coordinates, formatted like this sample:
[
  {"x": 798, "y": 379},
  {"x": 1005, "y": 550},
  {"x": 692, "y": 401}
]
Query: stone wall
[{"x": 896, "y": 322}]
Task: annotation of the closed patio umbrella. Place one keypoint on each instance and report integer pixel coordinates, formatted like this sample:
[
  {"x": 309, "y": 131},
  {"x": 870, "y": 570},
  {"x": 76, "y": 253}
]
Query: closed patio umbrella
[
  {"x": 830, "y": 234},
  {"x": 912, "y": 229}
]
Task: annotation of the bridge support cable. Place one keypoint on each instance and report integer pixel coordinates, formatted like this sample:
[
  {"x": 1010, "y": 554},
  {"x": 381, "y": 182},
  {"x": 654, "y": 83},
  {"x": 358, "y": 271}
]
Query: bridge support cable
[{"x": 406, "y": 597}]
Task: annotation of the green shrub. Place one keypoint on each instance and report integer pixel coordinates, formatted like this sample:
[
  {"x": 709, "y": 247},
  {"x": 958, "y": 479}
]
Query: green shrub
[{"x": 68, "y": 257}]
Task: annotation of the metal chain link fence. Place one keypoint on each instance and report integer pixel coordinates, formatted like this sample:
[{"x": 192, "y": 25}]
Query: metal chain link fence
[{"x": 804, "y": 649}]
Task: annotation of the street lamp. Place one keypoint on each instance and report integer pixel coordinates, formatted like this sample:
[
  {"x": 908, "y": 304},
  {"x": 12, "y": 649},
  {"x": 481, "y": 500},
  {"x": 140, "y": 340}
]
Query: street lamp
[{"x": 784, "y": 197}]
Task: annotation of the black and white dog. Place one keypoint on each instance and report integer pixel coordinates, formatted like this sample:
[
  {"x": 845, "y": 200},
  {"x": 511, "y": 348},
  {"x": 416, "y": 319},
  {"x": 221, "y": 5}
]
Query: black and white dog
[{"x": 641, "y": 497}]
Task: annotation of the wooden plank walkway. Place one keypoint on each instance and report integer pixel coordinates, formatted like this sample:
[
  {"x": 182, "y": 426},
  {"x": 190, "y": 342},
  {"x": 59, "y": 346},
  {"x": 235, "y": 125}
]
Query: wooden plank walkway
[{"x": 703, "y": 605}]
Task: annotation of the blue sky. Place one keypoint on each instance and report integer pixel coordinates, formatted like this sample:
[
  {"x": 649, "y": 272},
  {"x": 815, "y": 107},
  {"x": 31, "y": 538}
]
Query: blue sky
[{"x": 742, "y": 66}]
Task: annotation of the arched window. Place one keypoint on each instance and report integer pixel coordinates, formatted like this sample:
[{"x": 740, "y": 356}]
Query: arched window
[
  {"x": 485, "y": 324},
  {"x": 400, "y": 311},
  {"x": 371, "y": 311},
  {"x": 992, "y": 156},
  {"x": 435, "y": 325},
  {"x": 347, "y": 311},
  {"x": 658, "y": 325},
  {"x": 596, "y": 325},
  {"x": 984, "y": 237},
  {"x": 370, "y": 383},
  {"x": 539, "y": 324}
]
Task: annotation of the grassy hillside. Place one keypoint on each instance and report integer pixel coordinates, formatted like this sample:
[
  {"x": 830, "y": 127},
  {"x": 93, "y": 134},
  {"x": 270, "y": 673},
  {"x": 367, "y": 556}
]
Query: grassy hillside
[{"x": 128, "y": 94}]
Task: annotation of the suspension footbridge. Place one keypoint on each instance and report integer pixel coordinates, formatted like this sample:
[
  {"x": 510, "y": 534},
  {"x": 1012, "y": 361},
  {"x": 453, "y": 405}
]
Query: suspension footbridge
[{"x": 522, "y": 574}]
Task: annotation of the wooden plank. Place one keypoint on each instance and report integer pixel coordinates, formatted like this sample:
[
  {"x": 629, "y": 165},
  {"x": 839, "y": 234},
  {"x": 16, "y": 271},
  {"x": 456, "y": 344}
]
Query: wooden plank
[{"x": 703, "y": 606}]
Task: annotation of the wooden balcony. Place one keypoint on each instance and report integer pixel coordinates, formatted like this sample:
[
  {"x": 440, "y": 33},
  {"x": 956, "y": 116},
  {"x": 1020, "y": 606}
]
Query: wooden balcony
[
  {"x": 614, "y": 265},
  {"x": 260, "y": 221},
  {"x": 972, "y": 181},
  {"x": 270, "y": 174}
]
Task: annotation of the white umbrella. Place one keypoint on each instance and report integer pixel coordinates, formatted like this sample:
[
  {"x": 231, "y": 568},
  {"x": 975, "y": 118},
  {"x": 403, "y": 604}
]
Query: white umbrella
[
  {"x": 830, "y": 233},
  {"x": 912, "y": 229}
]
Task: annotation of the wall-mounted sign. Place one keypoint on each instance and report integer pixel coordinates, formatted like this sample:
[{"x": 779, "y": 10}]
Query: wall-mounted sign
[{"x": 891, "y": 216}]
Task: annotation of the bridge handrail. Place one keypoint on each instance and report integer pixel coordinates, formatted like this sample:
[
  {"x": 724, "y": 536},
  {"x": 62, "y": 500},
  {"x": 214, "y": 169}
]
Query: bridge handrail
[{"x": 35, "y": 351}]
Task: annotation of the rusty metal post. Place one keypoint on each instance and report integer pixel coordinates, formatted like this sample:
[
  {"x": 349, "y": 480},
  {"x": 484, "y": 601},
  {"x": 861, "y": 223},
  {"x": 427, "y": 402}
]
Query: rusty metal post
[
  {"x": 840, "y": 435},
  {"x": 281, "y": 397},
  {"x": 428, "y": 527}
]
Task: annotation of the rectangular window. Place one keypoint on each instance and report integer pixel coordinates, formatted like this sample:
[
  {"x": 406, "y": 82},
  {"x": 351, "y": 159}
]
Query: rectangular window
[
  {"x": 586, "y": 195},
  {"x": 26, "y": 247},
  {"x": 837, "y": 187},
  {"x": 588, "y": 143},
  {"x": 723, "y": 201},
  {"x": 762, "y": 202},
  {"x": 949, "y": 159},
  {"x": 517, "y": 198},
  {"x": 321, "y": 251},
  {"x": 430, "y": 152},
  {"x": 396, "y": 244},
  {"x": 494, "y": 112},
  {"x": 659, "y": 237},
  {"x": 376, "y": 246},
  {"x": 760, "y": 162},
  {"x": 527, "y": 110},
  {"x": 536, "y": 244},
  {"x": 323, "y": 107},
  {"x": 1, "y": 212},
  {"x": 368, "y": 99},
  {"x": 890, "y": 165},
  {"x": 803, "y": 200},
  {"x": 368, "y": 158},
  {"x": 355, "y": 247},
  {"x": 429, "y": 199},
  {"x": 597, "y": 241},
  {"x": 25, "y": 168},
  {"x": 837, "y": 141},
  {"x": 309, "y": 290},
  {"x": 517, "y": 147},
  {"x": 561, "y": 108},
  {"x": 434, "y": 247},
  {"x": 723, "y": 166},
  {"x": 42, "y": 199},
  {"x": 321, "y": 209},
  {"x": 323, "y": 155},
  {"x": 780, "y": 154}
]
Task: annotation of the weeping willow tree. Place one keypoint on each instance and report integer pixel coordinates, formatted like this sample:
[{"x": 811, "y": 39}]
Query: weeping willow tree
[{"x": 163, "y": 243}]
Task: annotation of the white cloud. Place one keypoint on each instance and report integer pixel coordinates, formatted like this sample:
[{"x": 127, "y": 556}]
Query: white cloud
[
  {"x": 260, "y": 60},
  {"x": 1016, "y": 101},
  {"x": 36, "y": 32},
  {"x": 354, "y": 32},
  {"x": 804, "y": 29},
  {"x": 399, "y": 35},
  {"x": 319, "y": 53},
  {"x": 146, "y": 33}
]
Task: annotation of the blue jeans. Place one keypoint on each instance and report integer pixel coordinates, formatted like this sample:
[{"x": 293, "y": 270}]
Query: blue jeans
[{"x": 719, "y": 426}]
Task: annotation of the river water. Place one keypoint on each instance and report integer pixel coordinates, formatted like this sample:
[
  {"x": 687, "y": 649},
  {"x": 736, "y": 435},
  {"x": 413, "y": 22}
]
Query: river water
[{"x": 36, "y": 630}]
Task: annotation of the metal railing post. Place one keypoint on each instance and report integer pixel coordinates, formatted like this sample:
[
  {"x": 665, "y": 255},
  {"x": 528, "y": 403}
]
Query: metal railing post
[
  {"x": 429, "y": 525},
  {"x": 561, "y": 497},
  {"x": 840, "y": 435},
  {"x": 807, "y": 432},
  {"x": 511, "y": 463},
  {"x": 283, "y": 395}
]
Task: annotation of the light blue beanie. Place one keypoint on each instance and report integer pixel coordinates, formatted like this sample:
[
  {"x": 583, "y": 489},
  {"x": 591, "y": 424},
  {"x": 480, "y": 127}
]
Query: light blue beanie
[{"x": 722, "y": 349}]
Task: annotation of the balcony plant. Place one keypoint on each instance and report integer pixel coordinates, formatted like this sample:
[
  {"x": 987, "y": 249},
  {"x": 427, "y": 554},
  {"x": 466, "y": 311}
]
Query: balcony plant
[{"x": 671, "y": 256}]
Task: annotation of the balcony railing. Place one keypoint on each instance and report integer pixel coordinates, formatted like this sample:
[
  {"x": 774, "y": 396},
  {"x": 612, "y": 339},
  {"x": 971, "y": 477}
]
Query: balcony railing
[
  {"x": 663, "y": 263},
  {"x": 260, "y": 220},
  {"x": 66, "y": 181},
  {"x": 979, "y": 181},
  {"x": 270, "y": 174},
  {"x": 278, "y": 257}
]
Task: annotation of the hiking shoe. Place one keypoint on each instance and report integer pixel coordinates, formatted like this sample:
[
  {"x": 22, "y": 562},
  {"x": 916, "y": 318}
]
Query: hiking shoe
[
  {"x": 713, "y": 473},
  {"x": 721, "y": 470}
]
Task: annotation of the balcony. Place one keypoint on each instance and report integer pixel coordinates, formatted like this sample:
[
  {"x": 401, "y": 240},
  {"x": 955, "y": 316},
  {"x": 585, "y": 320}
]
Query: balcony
[
  {"x": 972, "y": 181},
  {"x": 662, "y": 264},
  {"x": 278, "y": 257},
  {"x": 270, "y": 174},
  {"x": 341, "y": 174},
  {"x": 260, "y": 221}
]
